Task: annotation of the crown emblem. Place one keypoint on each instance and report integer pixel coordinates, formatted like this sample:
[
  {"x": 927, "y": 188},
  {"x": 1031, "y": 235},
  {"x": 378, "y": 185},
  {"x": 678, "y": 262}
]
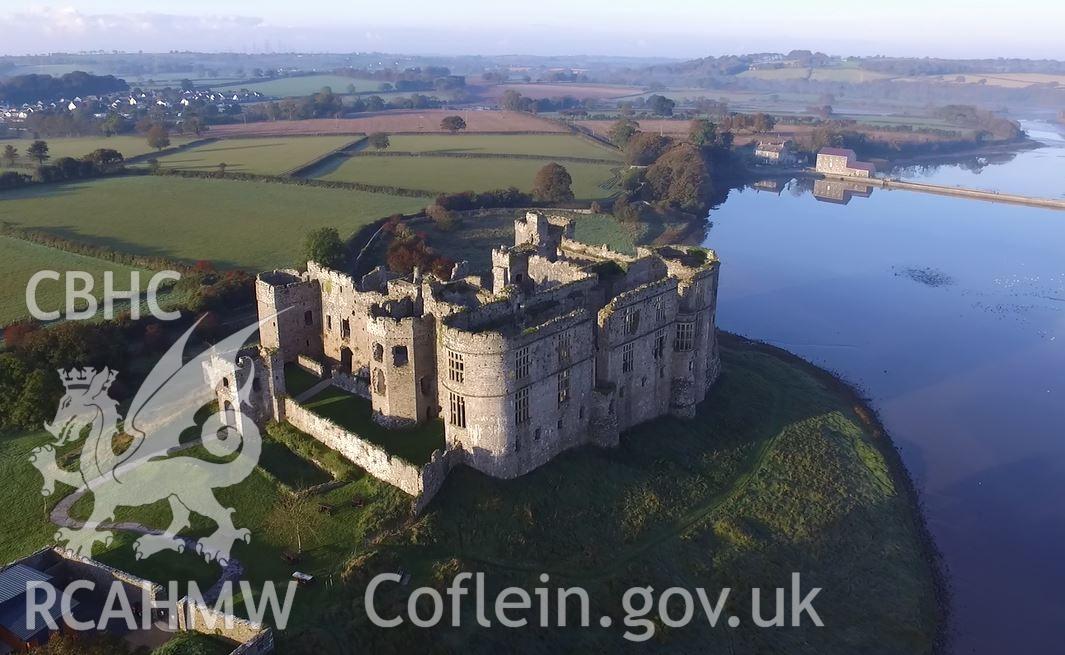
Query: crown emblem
[{"x": 81, "y": 378}]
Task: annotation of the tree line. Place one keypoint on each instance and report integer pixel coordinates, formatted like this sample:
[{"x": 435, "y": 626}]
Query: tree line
[{"x": 28, "y": 89}]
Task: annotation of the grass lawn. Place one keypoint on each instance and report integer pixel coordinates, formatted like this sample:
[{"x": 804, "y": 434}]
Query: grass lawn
[
  {"x": 299, "y": 379},
  {"x": 262, "y": 156},
  {"x": 255, "y": 225},
  {"x": 304, "y": 85},
  {"x": 22, "y": 259},
  {"x": 590, "y": 181},
  {"x": 289, "y": 468},
  {"x": 546, "y": 145},
  {"x": 78, "y": 147},
  {"x": 415, "y": 445}
]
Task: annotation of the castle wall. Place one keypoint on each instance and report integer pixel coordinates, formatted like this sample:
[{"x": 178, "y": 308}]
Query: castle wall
[
  {"x": 253, "y": 638},
  {"x": 371, "y": 457},
  {"x": 557, "y": 355},
  {"x": 420, "y": 482},
  {"x": 634, "y": 357},
  {"x": 498, "y": 438},
  {"x": 295, "y": 305},
  {"x": 402, "y": 370}
]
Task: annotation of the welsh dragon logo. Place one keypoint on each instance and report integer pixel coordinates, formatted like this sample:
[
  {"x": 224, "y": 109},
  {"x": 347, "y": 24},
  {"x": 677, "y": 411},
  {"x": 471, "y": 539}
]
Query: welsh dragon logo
[{"x": 151, "y": 468}]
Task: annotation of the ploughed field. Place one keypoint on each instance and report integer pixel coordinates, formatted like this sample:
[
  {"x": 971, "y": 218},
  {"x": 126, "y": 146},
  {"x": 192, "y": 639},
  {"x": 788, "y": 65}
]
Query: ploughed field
[
  {"x": 782, "y": 470},
  {"x": 260, "y": 156},
  {"x": 235, "y": 224}
]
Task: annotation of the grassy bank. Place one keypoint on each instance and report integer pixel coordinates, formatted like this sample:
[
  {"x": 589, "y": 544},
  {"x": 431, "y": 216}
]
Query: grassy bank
[{"x": 783, "y": 470}]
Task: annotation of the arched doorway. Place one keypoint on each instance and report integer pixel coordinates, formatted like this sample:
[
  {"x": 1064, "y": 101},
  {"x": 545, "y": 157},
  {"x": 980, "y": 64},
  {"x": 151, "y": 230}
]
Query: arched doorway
[{"x": 345, "y": 360}]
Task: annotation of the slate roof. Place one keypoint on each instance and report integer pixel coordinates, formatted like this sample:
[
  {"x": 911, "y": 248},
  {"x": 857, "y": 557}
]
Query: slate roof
[{"x": 13, "y": 606}]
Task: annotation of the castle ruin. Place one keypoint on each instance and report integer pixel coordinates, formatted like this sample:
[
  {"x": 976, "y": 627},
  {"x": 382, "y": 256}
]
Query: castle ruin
[{"x": 561, "y": 344}]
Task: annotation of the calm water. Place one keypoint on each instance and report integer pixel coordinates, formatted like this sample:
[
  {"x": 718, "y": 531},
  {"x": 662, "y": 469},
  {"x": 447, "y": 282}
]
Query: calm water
[
  {"x": 950, "y": 314},
  {"x": 1038, "y": 172}
]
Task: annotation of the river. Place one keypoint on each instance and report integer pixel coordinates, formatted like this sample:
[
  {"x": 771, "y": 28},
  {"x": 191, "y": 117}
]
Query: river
[{"x": 949, "y": 314}]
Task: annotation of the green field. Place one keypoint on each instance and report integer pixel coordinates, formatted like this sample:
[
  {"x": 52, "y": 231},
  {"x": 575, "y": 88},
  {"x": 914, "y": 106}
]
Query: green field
[
  {"x": 79, "y": 146},
  {"x": 445, "y": 174},
  {"x": 254, "y": 225},
  {"x": 546, "y": 145},
  {"x": 22, "y": 259},
  {"x": 262, "y": 156},
  {"x": 304, "y": 85}
]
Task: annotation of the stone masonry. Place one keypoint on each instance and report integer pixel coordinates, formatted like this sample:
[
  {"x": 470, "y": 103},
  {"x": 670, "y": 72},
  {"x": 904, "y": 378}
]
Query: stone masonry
[{"x": 563, "y": 344}]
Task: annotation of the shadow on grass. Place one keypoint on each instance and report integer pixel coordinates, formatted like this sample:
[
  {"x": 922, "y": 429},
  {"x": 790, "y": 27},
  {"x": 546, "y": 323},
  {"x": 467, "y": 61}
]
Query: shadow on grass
[{"x": 354, "y": 413}]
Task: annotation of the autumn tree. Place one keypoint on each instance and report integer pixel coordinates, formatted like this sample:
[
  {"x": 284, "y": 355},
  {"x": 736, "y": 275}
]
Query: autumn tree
[
  {"x": 379, "y": 140},
  {"x": 453, "y": 124},
  {"x": 158, "y": 137},
  {"x": 323, "y": 245},
  {"x": 622, "y": 131},
  {"x": 681, "y": 179},
  {"x": 38, "y": 150},
  {"x": 646, "y": 147},
  {"x": 553, "y": 184}
]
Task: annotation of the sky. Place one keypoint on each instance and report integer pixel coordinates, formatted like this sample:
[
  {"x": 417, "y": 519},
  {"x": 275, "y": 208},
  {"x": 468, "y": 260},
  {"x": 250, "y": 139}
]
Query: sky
[{"x": 677, "y": 28}]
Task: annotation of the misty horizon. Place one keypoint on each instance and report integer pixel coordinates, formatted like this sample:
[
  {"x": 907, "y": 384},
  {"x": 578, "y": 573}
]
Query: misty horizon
[{"x": 908, "y": 29}]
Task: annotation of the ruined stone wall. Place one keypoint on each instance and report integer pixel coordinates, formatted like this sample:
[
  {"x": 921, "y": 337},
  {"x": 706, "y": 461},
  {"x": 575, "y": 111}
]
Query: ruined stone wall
[
  {"x": 294, "y": 306},
  {"x": 420, "y": 482},
  {"x": 253, "y": 638},
  {"x": 63, "y": 564},
  {"x": 548, "y": 274},
  {"x": 634, "y": 355},
  {"x": 251, "y": 375},
  {"x": 371, "y": 457},
  {"x": 403, "y": 353}
]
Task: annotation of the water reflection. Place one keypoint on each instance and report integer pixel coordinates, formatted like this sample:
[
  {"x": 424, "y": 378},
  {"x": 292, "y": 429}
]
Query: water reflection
[
  {"x": 950, "y": 314},
  {"x": 1037, "y": 172},
  {"x": 840, "y": 192}
]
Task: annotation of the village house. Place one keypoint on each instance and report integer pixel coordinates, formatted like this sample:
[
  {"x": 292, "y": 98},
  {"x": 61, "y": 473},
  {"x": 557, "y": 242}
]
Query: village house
[
  {"x": 843, "y": 161},
  {"x": 562, "y": 344},
  {"x": 775, "y": 153}
]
